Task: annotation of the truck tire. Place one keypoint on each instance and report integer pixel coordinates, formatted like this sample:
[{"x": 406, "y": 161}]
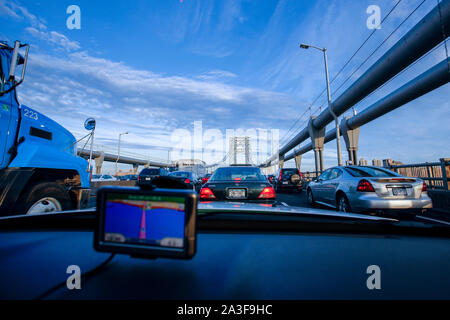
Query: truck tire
[{"x": 44, "y": 197}]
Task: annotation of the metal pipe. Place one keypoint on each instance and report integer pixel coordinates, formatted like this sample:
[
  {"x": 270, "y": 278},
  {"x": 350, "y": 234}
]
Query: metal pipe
[
  {"x": 424, "y": 36},
  {"x": 428, "y": 81}
]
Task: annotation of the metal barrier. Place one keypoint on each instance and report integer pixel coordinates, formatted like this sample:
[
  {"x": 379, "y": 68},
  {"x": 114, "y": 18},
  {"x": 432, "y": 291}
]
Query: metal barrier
[{"x": 435, "y": 174}]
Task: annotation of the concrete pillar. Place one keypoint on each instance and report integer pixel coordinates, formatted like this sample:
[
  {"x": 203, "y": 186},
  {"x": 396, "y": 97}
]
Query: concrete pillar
[
  {"x": 317, "y": 141},
  {"x": 135, "y": 168},
  {"x": 351, "y": 138},
  {"x": 298, "y": 161},
  {"x": 281, "y": 162},
  {"x": 99, "y": 162}
]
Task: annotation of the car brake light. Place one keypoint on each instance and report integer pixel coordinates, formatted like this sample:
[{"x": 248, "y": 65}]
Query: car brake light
[
  {"x": 204, "y": 180},
  {"x": 424, "y": 187},
  {"x": 237, "y": 179},
  {"x": 365, "y": 186},
  {"x": 187, "y": 181},
  {"x": 279, "y": 178},
  {"x": 206, "y": 193},
  {"x": 267, "y": 193}
]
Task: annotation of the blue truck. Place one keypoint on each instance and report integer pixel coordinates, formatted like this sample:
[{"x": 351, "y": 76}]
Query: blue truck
[{"x": 39, "y": 167}]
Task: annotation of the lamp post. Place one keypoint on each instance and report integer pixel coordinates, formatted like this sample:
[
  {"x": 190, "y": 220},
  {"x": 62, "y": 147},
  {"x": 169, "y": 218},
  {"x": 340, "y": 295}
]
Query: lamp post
[
  {"x": 118, "y": 148},
  {"x": 336, "y": 120}
]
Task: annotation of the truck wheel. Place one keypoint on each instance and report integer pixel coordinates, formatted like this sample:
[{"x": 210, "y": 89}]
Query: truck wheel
[{"x": 44, "y": 197}]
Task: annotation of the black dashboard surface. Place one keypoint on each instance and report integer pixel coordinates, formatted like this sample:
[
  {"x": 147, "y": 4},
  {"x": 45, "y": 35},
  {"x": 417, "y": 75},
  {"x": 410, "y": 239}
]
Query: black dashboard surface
[{"x": 232, "y": 266}]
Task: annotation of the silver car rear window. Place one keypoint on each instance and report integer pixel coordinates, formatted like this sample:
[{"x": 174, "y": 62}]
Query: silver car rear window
[{"x": 369, "y": 172}]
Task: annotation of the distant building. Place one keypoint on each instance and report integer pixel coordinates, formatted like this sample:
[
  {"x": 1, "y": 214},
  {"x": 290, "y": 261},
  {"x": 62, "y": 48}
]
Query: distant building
[
  {"x": 193, "y": 165},
  {"x": 363, "y": 162},
  {"x": 390, "y": 162}
]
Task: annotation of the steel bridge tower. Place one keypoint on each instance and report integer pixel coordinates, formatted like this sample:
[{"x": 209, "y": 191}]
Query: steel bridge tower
[{"x": 240, "y": 145}]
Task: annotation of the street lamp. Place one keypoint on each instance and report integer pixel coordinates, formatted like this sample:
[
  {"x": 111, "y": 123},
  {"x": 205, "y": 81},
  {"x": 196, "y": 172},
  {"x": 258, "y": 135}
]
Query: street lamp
[
  {"x": 336, "y": 120},
  {"x": 118, "y": 148}
]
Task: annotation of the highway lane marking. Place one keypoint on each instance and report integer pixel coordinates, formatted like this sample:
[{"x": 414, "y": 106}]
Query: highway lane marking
[
  {"x": 435, "y": 220},
  {"x": 284, "y": 204}
]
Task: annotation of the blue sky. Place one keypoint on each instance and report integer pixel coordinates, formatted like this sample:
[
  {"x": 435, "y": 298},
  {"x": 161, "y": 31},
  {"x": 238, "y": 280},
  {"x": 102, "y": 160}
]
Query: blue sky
[{"x": 151, "y": 67}]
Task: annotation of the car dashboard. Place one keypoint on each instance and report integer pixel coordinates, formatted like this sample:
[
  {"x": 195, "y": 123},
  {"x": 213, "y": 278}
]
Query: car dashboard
[{"x": 232, "y": 264}]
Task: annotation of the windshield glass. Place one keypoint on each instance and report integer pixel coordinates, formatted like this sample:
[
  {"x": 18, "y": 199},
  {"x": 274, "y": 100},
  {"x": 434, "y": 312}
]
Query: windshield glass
[
  {"x": 237, "y": 173},
  {"x": 228, "y": 91}
]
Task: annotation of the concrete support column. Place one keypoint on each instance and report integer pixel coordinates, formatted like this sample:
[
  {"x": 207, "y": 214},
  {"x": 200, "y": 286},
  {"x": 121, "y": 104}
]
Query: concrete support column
[
  {"x": 99, "y": 162},
  {"x": 351, "y": 138},
  {"x": 135, "y": 168},
  {"x": 281, "y": 162},
  {"x": 317, "y": 141},
  {"x": 298, "y": 161}
]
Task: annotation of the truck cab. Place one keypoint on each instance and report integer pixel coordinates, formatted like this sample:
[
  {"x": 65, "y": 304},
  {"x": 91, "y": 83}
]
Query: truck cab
[{"x": 39, "y": 167}]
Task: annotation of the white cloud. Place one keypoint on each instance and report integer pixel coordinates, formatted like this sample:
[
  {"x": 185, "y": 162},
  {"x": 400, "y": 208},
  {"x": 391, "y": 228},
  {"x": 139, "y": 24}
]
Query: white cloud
[{"x": 54, "y": 38}]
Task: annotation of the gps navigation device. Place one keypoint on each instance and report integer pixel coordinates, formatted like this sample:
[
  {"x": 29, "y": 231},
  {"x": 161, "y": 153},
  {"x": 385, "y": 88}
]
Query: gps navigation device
[{"x": 146, "y": 223}]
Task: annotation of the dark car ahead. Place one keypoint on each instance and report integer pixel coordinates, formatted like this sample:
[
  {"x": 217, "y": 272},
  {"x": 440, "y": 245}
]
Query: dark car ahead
[
  {"x": 239, "y": 184},
  {"x": 288, "y": 179},
  {"x": 188, "y": 177},
  {"x": 147, "y": 174}
]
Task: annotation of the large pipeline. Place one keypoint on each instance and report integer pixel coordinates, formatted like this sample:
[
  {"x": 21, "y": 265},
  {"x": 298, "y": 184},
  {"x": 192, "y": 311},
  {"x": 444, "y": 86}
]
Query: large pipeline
[
  {"x": 424, "y": 36},
  {"x": 428, "y": 81}
]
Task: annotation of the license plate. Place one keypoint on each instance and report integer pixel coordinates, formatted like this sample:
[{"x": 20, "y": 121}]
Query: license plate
[
  {"x": 148, "y": 178},
  {"x": 399, "y": 191},
  {"x": 236, "y": 193},
  {"x": 285, "y": 182}
]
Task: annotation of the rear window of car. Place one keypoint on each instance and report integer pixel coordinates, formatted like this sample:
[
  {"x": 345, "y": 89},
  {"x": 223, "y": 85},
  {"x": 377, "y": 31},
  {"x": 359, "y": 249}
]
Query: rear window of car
[
  {"x": 238, "y": 173},
  {"x": 180, "y": 174},
  {"x": 95, "y": 176},
  {"x": 287, "y": 173},
  {"x": 149, "y": 172},
  {"x": 369, "y": 172}
]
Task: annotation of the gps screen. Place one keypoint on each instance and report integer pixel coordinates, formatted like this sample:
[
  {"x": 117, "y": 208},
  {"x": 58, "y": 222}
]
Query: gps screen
[{"x": 147, "y": 220}]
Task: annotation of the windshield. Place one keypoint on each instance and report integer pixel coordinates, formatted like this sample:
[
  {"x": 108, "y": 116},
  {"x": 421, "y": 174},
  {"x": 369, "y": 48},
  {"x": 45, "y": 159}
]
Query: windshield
[
  {"x": 218, "y": 93},
  {"x": 237, "y": 174}
]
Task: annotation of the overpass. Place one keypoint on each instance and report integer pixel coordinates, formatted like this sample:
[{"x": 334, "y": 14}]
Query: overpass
[{"x": 100, "y": 156}]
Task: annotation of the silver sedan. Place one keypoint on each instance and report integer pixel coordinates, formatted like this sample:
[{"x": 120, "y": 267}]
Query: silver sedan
[{"x": 368, "y": 189}]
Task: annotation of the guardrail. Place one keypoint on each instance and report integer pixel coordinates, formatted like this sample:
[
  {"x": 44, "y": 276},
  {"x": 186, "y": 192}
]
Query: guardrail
[{"x": 435, "y": 174}]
